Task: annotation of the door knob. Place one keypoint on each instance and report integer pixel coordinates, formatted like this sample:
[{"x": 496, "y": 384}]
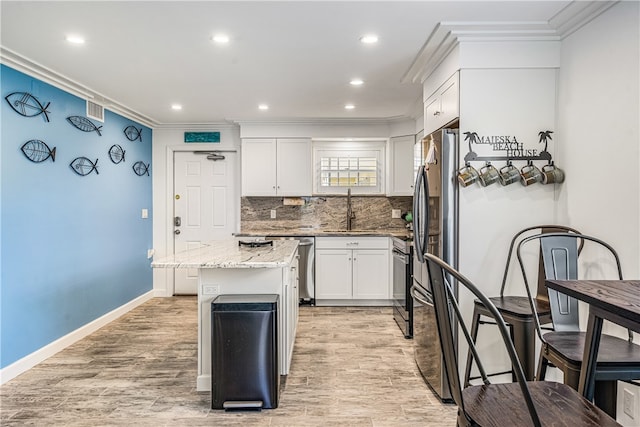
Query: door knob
[{"x": 176, "y": 232}]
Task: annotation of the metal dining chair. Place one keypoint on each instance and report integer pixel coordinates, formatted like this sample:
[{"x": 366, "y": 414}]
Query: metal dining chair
[
  {"x": 520, "y": 403},
  {"x": 516, "y": 310},
  {"x": 618, "y": 359}
]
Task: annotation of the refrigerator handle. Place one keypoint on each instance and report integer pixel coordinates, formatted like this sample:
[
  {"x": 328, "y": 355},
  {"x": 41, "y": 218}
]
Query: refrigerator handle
[
  {"x": 414, "y": 293},
  {"x": 420, "y": 224}
]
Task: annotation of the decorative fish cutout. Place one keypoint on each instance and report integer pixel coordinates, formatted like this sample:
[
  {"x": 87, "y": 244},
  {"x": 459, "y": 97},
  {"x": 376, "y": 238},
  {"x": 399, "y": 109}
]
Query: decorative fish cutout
[
  {"x": 27, "y": 105},
  {"x": 84, "y": 124},
  {"x": 38, "y": 151},
  {"x": 140, "y": 168},
  {"x": 116, "y": 154},
  {"x": 132, "y": 133},
  {"x": 83, "y": 166}
]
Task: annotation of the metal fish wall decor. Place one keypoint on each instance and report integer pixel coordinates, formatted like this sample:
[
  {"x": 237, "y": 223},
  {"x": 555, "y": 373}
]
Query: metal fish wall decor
[
  {"x": 116, "y": 154},
  {"x": 133, "y": 133},
  {"x": 83, "y": 166},
  {"x": 84, "y": 124},
  {"x": 140, "y": 168},
  {"x": 38, "y": 151},
  {"x": 27, "y": 105}
]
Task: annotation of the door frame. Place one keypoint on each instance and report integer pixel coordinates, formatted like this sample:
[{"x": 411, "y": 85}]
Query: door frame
[{"x": 169, "y": 194}]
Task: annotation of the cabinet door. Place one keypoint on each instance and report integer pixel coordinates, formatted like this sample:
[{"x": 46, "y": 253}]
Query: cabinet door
[
  {"x": 449, "y": 100},
  {"x": 294, "y": 173},
  {"x": 432, "y": 114},
  {"x": 333, "y": 274},
  {"x": 371, "y": 274},
  {"x": 402, "y": 175},
  {"x": 259, "y": 167}
]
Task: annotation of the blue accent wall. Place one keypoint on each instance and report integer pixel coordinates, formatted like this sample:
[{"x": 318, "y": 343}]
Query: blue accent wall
[{"x": 72, "y": 248}]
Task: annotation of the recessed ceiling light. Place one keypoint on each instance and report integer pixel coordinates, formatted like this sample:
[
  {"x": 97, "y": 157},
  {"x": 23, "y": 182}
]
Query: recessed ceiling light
[
  {"x": 356, "y": 82},
  {"x": 263, "y": 107},
  {"x": 220, "y": 38},
  {"x": 74, "y": 39},
  {"x": 176, "y": 107},
  {"x": 369, "y": 39},
  {"x": 349, "y": 107}
]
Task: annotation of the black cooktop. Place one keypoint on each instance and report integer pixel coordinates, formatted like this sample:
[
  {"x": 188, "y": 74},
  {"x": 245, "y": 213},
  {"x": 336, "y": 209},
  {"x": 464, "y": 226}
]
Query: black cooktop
[{"x": 255, "y": 243}]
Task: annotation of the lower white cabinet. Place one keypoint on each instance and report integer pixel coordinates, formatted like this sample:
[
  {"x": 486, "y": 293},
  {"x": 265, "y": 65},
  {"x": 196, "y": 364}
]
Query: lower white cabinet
[{"x": 352, "y": 268}]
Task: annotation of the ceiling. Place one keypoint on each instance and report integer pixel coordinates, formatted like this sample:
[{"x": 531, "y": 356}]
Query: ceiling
[{"x": 296, "y": 56}]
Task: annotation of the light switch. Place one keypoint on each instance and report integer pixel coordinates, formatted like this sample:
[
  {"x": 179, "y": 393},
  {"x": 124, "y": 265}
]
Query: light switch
[
  {"x": 145, "y": 213},
  {"x": 395, "y": 213},
  {"x": 273, "y": 214}
]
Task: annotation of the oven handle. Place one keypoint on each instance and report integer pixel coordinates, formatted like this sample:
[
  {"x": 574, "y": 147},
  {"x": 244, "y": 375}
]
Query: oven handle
[
  {"x": 414, "y": 293},
  {"x": 401, "y": 256}
]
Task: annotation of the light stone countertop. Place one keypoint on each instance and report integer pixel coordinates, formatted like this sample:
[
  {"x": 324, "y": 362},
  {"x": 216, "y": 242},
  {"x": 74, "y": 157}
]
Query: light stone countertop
[
  {"x": 228, "y": 254},
  {"x": 315, "y": 232}
]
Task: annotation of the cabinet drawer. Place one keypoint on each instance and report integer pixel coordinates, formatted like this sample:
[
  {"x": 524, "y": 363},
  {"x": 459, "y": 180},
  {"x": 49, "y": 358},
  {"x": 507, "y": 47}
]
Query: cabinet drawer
[{"x": 351, "y": 242}]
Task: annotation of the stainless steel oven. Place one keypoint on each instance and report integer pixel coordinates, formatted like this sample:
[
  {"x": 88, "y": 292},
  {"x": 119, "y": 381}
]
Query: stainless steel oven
[{"x": 402, "y": 270}]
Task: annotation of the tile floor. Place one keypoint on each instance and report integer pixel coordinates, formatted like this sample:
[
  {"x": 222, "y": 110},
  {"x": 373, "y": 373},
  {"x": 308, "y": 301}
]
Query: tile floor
[{"x": 351, "y": 367}]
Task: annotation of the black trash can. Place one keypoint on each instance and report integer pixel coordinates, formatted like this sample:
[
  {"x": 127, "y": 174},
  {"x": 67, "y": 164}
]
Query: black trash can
[{"x": 244, "y": 352}]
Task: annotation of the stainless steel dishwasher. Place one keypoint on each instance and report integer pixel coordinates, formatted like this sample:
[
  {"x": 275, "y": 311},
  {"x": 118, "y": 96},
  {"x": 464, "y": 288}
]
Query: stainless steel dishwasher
[{"x": 306, "y": 266}]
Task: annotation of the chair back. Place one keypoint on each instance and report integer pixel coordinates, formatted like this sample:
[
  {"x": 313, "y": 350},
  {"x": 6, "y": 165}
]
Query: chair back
[
  {"x": 444, "y": 280},
  {"x": 560, "y": 258},
  {"x": 541, "y": 289}
]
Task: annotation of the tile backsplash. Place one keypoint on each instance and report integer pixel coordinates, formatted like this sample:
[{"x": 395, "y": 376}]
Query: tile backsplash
[{"x": 328, "y": 213}]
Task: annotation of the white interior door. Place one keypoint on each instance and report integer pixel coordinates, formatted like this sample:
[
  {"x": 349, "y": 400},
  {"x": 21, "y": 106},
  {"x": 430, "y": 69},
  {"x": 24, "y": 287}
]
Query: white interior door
[{"x": 204, "y": 206}]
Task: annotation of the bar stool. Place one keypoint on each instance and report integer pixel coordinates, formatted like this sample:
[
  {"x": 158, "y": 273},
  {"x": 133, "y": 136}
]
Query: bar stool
[
  {"x": 516, "y": 310},
  {"x": 618, "y": 359}
]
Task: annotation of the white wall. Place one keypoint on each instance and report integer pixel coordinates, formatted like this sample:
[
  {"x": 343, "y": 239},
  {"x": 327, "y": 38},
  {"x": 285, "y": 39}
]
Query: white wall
[
  {"x": 598, "y": 133},
  {"x": 166, "y": 140}
]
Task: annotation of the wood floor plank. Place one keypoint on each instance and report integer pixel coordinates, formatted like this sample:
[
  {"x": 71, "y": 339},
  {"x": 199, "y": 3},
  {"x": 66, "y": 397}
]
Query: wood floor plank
[{"x": 351, "y": 366}]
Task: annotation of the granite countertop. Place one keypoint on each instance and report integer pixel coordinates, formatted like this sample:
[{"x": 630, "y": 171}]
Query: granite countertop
[
  {"x": 391, "y": 232},
  {"x": 228, "y": 254}
]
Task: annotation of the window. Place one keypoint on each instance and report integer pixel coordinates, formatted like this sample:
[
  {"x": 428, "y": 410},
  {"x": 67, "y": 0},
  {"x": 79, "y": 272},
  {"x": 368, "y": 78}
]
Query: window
[{"x": 356, "y": 167}]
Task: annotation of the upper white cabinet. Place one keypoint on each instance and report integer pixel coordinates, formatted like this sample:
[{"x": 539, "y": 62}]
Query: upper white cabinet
[
  {"x": 401, "y": 176},
  {"x": 276, "y": 167},
  {"x": 443, "y": 106}
]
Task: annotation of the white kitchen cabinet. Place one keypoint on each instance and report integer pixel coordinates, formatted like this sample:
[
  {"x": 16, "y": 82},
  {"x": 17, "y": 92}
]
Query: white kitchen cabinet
[
  {"x": 401, "y": 176},
  {"x": 443, "y": 106},
  {"x": 352, "y": 269},
  {"x": 276, "y": 167}
]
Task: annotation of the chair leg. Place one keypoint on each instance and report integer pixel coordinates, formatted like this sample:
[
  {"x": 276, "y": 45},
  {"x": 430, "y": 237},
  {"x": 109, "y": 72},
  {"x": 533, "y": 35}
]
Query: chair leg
[
  {"x": 605, "y": 397},
  {"x": 474, "y": 334},
  {"x": 543, "y": 363}
]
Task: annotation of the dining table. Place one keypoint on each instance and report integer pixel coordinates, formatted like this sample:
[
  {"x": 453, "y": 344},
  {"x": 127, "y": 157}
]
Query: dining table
[{"x": 617, "y": 301}]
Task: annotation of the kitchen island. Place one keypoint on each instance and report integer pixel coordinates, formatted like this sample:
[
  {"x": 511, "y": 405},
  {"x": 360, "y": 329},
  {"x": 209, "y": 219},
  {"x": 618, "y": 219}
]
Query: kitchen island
[{"x": 224, "y": 267}]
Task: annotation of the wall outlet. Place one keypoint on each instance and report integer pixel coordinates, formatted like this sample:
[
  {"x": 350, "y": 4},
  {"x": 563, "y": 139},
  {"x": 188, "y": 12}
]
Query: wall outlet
[
  {"x": 395, "y": 213},
  {"x": 210, "y": 289},
  {"x": 628, "y": 400},
  {"x": 150, "y": 253},
  {"x": 273, "y": 214},
  {"x": 145, "y": 213}
]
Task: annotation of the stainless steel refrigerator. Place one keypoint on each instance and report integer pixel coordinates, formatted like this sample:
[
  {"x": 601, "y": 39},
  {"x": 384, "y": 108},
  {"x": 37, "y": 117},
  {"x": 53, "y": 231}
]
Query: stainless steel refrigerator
[{"x": 435, "y": 230}]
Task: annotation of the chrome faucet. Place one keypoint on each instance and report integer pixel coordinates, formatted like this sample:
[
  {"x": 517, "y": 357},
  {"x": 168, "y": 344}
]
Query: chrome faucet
[{"x": 350, "y": 215}]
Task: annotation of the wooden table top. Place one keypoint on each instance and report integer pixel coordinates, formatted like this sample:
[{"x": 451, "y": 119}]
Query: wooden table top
[{"x": 621, "y": 297}]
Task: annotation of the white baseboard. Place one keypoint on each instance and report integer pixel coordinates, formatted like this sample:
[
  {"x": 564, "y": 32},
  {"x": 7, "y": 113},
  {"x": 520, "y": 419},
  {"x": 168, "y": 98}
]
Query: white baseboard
[
  {"x": 203, "y": 382},
  {"x": 20, "y": 366}
]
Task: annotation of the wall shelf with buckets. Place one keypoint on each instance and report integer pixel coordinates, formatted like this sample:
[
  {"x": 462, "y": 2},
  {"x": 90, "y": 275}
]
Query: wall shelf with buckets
[{"x": 527, "y": 175}]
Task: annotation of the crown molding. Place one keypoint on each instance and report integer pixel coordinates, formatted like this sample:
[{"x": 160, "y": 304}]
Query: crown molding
[
  {"x": 322, "y": 121},
  {"x": 198, "y": 126},
  {"x": 47, "y": 75},
  {"x": 447, "y": 35}
]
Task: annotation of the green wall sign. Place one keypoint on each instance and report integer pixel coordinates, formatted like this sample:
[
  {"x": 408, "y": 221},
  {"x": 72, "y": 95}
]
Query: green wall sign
[{"x": 202, "y": 137}]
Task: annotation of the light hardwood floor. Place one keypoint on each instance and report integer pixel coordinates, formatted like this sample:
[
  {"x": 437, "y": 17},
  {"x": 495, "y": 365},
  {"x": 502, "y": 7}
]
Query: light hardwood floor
[{"x": 351, "y": 367}]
